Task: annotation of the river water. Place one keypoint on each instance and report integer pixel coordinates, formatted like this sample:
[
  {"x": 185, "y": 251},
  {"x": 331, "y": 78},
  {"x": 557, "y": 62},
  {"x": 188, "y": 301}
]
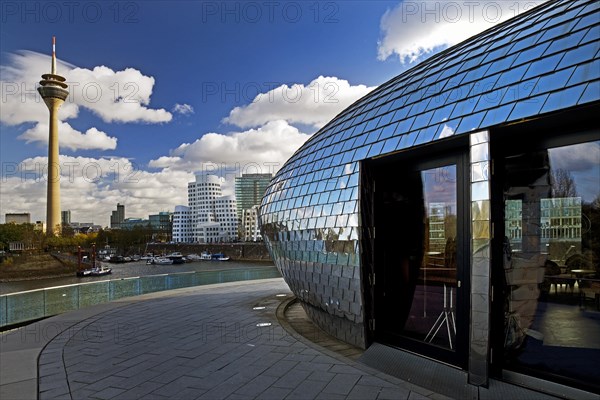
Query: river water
[{"x": 129, "y": 270}]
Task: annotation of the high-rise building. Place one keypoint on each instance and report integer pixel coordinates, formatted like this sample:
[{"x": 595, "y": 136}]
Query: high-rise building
[
  {"x": 250, "y": 226},
  {"x": 65, "y": 217},
  {"x": 182, "y": 225},
  {"x": 117, "y": 217},
  {"x": 249, "y": 190},
  {"x": 210, "y": 217},
  {"x": 53, "y": 90}
]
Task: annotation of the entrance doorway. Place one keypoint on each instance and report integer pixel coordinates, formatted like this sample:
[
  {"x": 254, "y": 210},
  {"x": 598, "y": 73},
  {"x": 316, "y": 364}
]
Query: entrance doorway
[{"x": 416, "y": 258}]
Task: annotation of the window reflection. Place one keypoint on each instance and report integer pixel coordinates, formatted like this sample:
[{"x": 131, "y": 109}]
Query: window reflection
[{"x": 552, "y": 261}]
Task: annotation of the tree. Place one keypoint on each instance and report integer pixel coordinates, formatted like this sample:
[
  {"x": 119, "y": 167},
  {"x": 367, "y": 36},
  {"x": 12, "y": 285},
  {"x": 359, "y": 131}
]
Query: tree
[{"x": 563, "y": 184}]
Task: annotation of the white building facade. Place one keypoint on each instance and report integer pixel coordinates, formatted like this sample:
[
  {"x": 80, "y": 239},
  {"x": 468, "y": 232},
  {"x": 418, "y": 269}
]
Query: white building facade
[
  {"x": 209, "y": 217},
  {"x": 182, "y": 225},
  {"x": 250, "y": 225}
]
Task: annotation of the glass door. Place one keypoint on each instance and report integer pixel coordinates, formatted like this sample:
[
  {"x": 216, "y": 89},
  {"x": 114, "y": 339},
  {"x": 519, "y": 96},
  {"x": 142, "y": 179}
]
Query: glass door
[{"x": 418, "y": 253}]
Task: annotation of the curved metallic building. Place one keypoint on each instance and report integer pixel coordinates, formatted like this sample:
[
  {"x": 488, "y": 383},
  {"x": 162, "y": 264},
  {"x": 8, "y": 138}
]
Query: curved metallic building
[{"x": 422, "y": 215}]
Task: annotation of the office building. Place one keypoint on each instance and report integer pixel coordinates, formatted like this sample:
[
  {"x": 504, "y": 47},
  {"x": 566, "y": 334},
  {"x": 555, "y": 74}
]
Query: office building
[
  {"x": 249, "y": 190},
  {"x": 65, "y": 217},
  {"x": 17, "y": 218},
  {"x": 117, "y": 217}
]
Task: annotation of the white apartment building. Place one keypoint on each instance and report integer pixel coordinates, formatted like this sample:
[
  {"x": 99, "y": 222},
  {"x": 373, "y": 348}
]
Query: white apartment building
[
  {"x": 182, "y": 225},
  {"x": 209, "y": 218},
  {"x": 250, "y": 225}
]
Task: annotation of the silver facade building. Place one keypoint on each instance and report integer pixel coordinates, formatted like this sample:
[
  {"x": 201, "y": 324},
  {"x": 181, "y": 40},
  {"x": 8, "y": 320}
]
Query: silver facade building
[{"x": 454, "y": 211}]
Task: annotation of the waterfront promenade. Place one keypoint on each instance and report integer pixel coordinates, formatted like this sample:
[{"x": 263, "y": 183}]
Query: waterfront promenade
[{"x": 205, "y": 342}]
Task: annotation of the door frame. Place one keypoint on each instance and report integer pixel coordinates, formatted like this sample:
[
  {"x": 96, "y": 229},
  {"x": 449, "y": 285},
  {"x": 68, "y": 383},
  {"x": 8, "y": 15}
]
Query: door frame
[{"x": 453, "y": 152}]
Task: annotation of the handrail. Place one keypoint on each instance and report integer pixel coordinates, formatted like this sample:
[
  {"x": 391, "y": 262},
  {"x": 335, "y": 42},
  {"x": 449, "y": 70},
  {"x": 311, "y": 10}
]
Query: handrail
[{"x": 21, "y": 307}]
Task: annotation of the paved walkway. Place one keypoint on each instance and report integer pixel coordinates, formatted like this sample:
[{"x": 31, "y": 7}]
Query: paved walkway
[
  {"x": 206, "y": 342},
  {"x": 227, "y": 341}
]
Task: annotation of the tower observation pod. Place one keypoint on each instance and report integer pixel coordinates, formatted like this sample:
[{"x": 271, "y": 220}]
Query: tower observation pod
[{"x": 53, "y": 90}]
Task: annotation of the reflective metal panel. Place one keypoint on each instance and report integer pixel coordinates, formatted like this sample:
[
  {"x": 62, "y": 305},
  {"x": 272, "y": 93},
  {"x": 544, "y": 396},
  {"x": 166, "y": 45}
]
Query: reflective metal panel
[
  {"x": 480, "y": 258},
  {"x": 538, "y": 62}
]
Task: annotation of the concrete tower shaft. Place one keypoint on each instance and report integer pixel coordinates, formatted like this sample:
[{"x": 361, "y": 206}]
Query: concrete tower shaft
[{"x": 54, "y": 92}]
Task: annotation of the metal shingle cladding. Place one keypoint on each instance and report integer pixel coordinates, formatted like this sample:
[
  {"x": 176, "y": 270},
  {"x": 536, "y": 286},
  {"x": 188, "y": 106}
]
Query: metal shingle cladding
[{"x": 538, "y": 62}]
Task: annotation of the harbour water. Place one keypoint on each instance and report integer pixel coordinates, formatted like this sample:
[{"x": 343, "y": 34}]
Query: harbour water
[{"x": 128, "y": 270}]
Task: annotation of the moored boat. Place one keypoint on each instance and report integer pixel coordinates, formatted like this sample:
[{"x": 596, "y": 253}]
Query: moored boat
[
  {"x": 220, "y": 257},
  {"x": 160, "y": 261},
  {"x": 193, "y": 257},
  {"x": 99, "y": 271},
  {"x": 176, "y": 257}
]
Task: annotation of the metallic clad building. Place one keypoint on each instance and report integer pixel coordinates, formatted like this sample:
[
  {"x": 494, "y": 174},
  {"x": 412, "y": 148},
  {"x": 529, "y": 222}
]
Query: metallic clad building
[{"x": 391, "y": 224}]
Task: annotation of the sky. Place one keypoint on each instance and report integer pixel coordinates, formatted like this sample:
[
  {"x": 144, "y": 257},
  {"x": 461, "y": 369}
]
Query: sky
[{"x": 161, "y": 90}]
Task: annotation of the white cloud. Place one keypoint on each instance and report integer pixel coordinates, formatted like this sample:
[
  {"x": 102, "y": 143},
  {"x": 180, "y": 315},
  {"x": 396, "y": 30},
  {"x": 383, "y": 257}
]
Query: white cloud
[
  {"x": 578, "y": 157},
  {"x": 263, "y": 149},
  {"x": 91, "y": 188},
  {"x": 71, "y": 138},
  {"x": 115, "y": 96},
  {"x": 314, "y": 104},
  {"x": 20, "y": 100},
  {"x": 183, "y": 109},
  {"x": 413, "y": 30},
  {"x": 121, "y": 96},
  {"x": 269, "y": 137}
]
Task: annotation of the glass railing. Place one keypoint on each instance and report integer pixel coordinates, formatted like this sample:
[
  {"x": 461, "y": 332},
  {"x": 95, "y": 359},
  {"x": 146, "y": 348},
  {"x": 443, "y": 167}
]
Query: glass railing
[{"x": 20, "y": 307}]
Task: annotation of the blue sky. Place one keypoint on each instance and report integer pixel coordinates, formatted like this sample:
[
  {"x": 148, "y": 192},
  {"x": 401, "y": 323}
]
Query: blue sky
[{"x": 162, "y": 89}]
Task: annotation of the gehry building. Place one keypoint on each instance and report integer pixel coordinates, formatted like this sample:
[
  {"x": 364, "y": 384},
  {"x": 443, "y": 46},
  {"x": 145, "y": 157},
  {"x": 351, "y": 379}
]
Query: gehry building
[
  {"x": 209, "y": 217},
  {"x": 454, "y": 212}
]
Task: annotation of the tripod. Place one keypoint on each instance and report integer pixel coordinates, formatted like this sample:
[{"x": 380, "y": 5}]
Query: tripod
[{"x": 446, "y": 316}]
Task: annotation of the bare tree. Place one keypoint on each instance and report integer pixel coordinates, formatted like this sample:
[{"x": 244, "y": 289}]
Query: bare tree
[{"x": 563, "y": 184}]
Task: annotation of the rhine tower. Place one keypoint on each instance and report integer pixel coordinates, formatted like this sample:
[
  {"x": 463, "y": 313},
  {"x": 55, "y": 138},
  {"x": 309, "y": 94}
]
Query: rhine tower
[{"x": 53, "y": 90}]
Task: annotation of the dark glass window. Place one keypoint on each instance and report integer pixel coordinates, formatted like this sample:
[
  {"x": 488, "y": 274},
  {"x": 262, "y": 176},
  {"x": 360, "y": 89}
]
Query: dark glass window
[{"x": 552, "y": 261}]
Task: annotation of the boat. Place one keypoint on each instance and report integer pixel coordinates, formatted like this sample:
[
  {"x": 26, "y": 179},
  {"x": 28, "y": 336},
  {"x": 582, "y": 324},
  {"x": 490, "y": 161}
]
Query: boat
[
  {"x": 99, "y": 271},
  {"x": 220, "y": 257},
  {"x": 193, "y": 257},
  {"x": 84, "y": 272},
  {"x": 160, "y": 261},
  {"x": 95, "y": 271},
  {"x": 205, "y": 256},
  {"x": 176, "y": 257}
]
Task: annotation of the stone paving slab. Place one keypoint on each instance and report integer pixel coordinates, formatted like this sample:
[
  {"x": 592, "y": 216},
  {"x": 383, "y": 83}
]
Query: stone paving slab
[{"x": 203, "y": 343}]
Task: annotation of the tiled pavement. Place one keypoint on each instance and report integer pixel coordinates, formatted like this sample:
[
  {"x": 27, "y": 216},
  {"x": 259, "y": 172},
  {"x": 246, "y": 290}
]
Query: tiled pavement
[
  {"x": 203, "y": 343},
  {"x": 227, "y": 341}
]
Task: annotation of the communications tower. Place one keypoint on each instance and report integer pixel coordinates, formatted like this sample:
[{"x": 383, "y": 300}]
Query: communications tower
[{"x": 53, "y": 90}]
